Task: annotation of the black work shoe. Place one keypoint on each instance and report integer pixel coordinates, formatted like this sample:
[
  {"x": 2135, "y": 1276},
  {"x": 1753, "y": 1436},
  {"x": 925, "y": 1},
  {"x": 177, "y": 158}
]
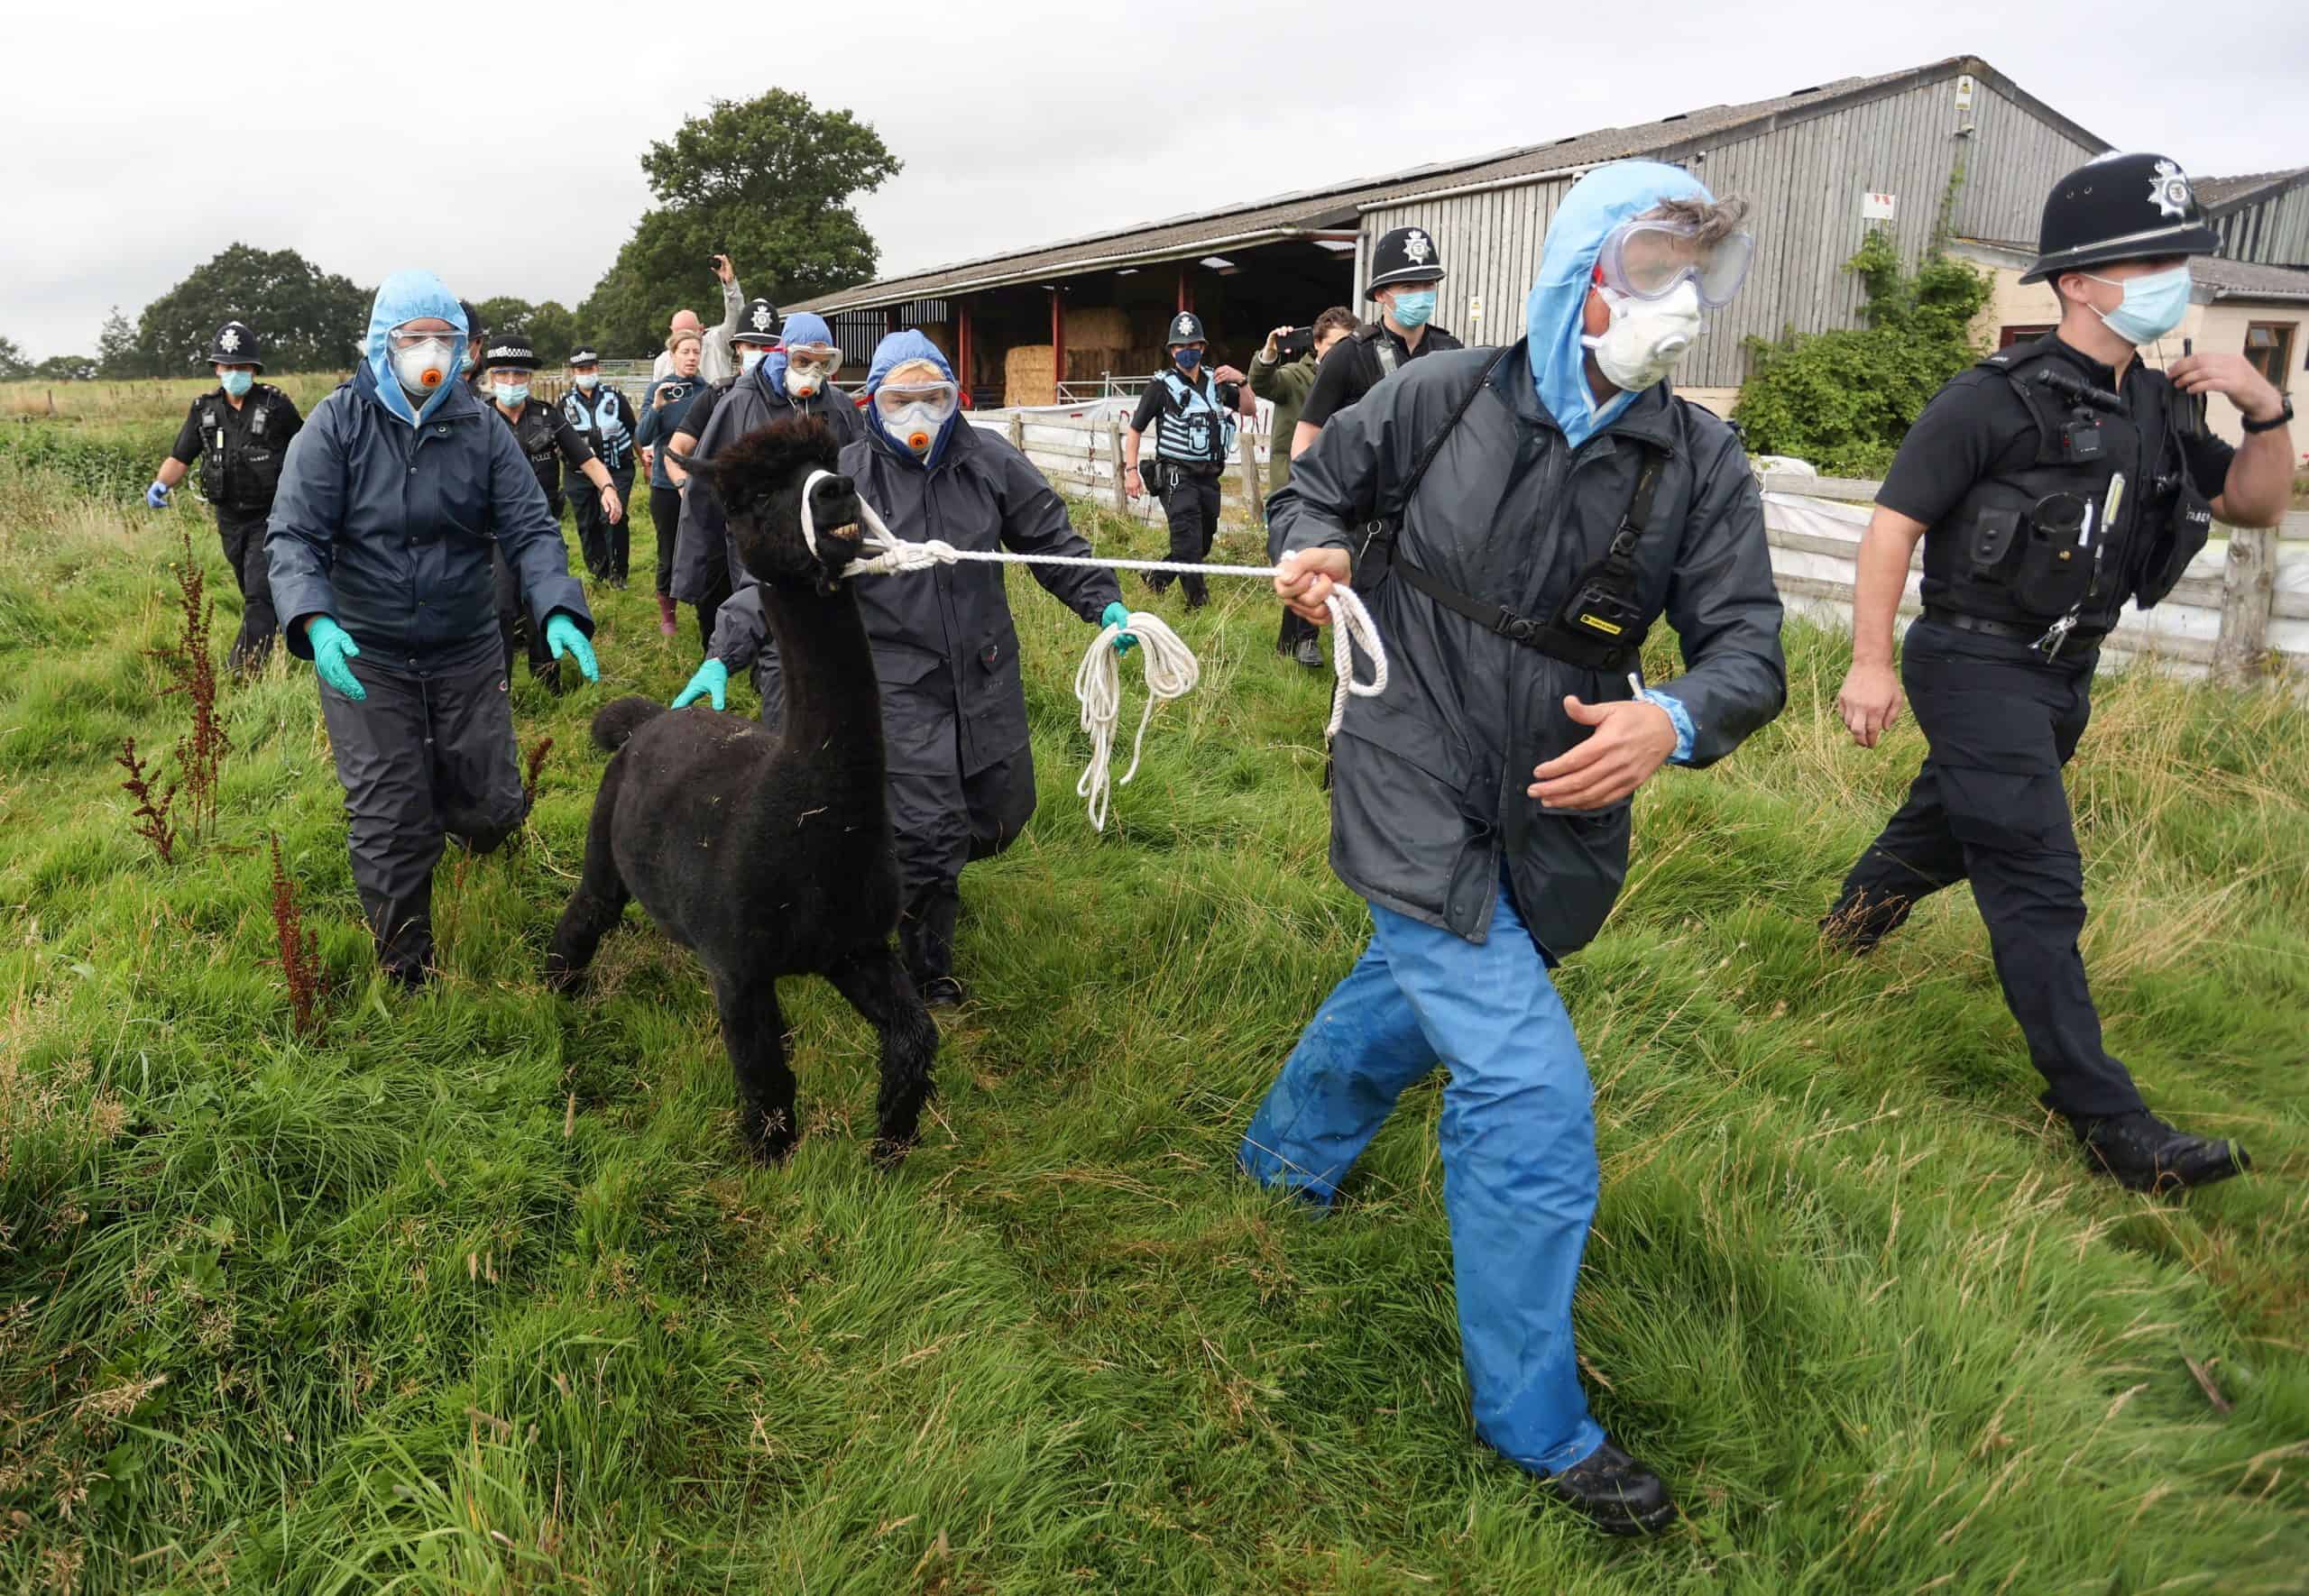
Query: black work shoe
[
  {"x": 1309, "y": 653},
  {"x": 2141, "y": 1152},
  {"x": 408, "y": 977},
  {"x": 1617, "y": 1493},
  {"x": 942, "y": 992}
]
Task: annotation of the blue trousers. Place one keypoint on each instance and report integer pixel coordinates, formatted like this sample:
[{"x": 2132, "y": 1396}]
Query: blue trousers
[{"x": 1518, "y": 1137}]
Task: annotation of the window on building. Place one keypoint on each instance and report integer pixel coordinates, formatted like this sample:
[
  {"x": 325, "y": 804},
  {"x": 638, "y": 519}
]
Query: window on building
[
  {"x": 2269, "y": 344},
  {"x": 2008, "y": 336}
]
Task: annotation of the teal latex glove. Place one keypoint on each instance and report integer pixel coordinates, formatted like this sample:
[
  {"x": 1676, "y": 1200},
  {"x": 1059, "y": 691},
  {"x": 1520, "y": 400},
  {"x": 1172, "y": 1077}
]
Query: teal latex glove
[
  {"x": 1119, "y": 614},
  {"x": 331, "y": 648},
  {"x": 713, "y": 680},
  {"x": 562, "y": 636}
]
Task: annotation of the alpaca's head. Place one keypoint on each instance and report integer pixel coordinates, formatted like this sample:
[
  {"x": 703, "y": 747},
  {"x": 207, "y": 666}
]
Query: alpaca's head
[{"x": 758, "y": 479}]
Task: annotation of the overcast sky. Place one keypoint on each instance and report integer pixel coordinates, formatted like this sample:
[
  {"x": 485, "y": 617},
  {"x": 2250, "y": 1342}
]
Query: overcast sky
[{"x": 138, "y": 140}]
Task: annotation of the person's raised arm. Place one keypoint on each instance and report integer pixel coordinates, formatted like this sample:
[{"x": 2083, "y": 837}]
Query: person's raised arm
[{"x": 2259, "y": 483}]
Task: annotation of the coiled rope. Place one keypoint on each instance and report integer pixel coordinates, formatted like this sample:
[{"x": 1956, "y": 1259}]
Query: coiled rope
[{"x": 1172, "y": 669}]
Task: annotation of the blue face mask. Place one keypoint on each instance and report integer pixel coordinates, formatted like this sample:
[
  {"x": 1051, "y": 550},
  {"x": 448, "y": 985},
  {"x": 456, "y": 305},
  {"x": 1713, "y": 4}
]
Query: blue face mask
[
  {"x": 2153, "y": 306},
  {"x": 1413, "y": 307},
  {"x": 1188, "y": 359},
  {"x": 512, "y": 396},
  {"x": 237, "y": 384}
]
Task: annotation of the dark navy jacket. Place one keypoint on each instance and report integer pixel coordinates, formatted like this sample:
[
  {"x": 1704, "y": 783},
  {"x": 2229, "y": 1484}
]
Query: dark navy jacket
[
  {"x": 388, "y": 528},
  {"x": 751, "y": 400}
]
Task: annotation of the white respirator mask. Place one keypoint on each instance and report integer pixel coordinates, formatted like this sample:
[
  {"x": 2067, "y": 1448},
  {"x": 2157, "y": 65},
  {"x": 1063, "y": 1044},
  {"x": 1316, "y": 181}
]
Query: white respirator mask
[
  {"x": 1647, "y": 337},
  {"x": 800, "y": 385},
  {"x": 422, "y": 368}
]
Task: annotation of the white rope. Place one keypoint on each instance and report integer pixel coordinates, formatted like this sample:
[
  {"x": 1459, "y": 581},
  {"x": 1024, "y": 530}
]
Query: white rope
[{"x": 1172, "y": 669}]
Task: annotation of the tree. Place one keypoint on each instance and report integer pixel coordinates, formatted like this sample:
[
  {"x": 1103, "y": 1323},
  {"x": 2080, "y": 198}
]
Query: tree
[
  {"x": 551, "y": 326},
  {"x": 117, "y": 355},
  {"x": 67, "y": 367},
  {"x": 309, "y": 320},
  {"x": 13, "y": 363},
  {"x": 1844, "y": 398},
  {"x": 768, "y": 181}
]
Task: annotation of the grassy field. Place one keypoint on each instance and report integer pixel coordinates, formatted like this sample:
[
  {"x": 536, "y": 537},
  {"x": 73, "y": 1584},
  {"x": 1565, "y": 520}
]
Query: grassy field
[{"x": 472, "y": 1292}]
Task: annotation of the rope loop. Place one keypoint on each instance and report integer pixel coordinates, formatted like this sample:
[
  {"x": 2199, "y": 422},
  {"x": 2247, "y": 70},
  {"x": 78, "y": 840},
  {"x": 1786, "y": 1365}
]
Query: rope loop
[{"x": 1172, "y": 668}]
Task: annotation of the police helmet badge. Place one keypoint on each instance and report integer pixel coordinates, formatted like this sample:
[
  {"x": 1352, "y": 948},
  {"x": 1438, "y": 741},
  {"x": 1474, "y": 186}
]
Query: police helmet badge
[
  {"x": 762, "y": 318},
  {"x": 1416, "y": 248},
  {"x": 2168, "y": 190},
  {"x": 1185, "y": 325},
  {"x": 229, "y": 339}
]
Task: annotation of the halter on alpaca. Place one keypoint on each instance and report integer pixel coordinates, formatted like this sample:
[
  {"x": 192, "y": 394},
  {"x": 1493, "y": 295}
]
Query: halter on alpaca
[{"x": 1172, "y": 669}]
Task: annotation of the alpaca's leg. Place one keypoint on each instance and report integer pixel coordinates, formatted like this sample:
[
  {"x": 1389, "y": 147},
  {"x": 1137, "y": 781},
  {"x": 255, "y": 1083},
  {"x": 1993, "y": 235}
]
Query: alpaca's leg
[
  {"x": 754, "y": 1032},
  {"x": 599, "y": 898},
  {"x": 876, "y": 984}
]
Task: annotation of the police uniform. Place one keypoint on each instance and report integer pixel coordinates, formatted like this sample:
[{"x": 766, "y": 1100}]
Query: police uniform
[
  {"x": 547, "y": 441},
  {"x": 240, "y": 448},
  {"x": 606, "y": 419},
  {"x": 1193, "y": 420},
  {"x": 2052, "y": 493},
  {"x": 1359, "y": 363}
]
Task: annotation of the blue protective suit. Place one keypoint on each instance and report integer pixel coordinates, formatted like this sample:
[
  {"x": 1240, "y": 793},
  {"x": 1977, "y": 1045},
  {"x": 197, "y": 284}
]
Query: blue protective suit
[{"x": 1471, "y": 990}]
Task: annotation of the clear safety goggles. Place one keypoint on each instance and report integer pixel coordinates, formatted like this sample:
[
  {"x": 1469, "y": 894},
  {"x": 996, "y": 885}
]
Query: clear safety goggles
[
  {"x": 401, "y": 338},
  {"x": 1648, "y": 259},
  {"x": 821, "y": 360},
  {"x": 939, "y": 399}
]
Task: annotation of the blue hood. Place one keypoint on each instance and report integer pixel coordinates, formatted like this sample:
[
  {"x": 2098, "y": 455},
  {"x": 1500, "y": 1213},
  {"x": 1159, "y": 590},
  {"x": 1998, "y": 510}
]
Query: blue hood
[
  {"x": 1554, "y": 316},
  {"x": 890, "y": 353},
  {"x": 406, "y": 296},
  {"x": 799, "y": 328}
]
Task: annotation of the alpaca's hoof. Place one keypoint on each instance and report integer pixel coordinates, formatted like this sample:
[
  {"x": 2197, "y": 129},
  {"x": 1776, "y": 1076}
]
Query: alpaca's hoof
[
  {"x": 890, "y": 1153},
  {"x": 768, "y": 1137},
  {"x": 560, "y": 978}
]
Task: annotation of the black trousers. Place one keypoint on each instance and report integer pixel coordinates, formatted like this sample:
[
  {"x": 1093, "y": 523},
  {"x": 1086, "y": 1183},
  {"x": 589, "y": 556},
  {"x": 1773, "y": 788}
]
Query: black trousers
[
  {"x": 514, "y": 626},
  {"x": 606, "y": 545},
  {"x": 710, "y": 606},
  {"x": 1989, "y": 808},
  {"x": 424, "y": 756},
  {"x": 1296, "y": 629},
  {"x": 1191, "y": 505},
  {"x": 941, "y": 820},
  {"x": 242, "y": 534},
  {"x": 665, "y": 522}
]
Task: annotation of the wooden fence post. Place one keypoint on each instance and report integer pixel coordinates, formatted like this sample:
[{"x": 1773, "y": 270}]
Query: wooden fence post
[
  {"x": 1018, "y": 432},
  {"x": 2247, "y": 595},
  {"x": 1251, "y": 500},
  {"x": 1114, "y": 459}
]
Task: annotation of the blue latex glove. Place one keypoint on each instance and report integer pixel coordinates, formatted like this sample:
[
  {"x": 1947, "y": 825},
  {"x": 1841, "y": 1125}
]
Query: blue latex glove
[
  {"x": 157, "y": 497},
  {"x": 562, "y": 636},
  {"x": 331, "y": 648},
  {"x": 1119, "y": 614},
  {"x": 713, "y": 680}
]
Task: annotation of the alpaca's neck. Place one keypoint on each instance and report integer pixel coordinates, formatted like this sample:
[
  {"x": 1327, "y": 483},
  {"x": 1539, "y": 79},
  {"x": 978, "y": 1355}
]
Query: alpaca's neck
[{"x": 833, "y": 708}]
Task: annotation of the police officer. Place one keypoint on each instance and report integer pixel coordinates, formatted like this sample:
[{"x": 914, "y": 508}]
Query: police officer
[
  {"x": 1405, "y": 266},
  {"x": 2050, "y": 483},
  {"x": 705, "y": 563},
  {"x": 240, "y": 434},
  {"x": 547, "y": 440},
  {"x": 1193, "y": 414},
  {"x": 607, "y": 420},
  {"x": 387, "y": 501}
]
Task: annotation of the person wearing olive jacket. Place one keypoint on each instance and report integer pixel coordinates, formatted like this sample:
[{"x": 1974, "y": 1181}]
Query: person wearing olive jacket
[
  {"x": 391, "y": 501},
  {"x": 1286, "y": 384},
  {"x": 1481, "y": 804}
]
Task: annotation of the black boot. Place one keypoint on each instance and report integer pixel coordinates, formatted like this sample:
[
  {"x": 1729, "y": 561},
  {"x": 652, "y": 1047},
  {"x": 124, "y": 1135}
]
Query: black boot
[
  {"x": 1617, "y": 1493},
  {"x": 2141, "y": 1152},
  {"x": 1309, "y": 653}
]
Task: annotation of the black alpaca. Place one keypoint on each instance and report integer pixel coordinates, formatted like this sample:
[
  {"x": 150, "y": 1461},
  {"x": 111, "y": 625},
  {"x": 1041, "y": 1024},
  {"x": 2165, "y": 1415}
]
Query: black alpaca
[{"x": 767, "y": 854}]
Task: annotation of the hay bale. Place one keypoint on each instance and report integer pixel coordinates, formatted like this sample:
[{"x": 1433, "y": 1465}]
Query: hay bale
[
  {"x": 1030, "y": 375},
  {"x": 1097, "y": 328}
]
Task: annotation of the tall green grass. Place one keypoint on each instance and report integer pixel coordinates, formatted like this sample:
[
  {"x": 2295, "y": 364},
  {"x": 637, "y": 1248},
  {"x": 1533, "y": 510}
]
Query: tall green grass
[{"x": 475, "y": 1293}]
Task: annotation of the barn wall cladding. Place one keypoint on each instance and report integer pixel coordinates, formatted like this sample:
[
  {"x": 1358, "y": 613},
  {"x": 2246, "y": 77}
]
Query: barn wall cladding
[
  {"x": 2268, "y": 222},
  {"x": 1806, "y": 178}
]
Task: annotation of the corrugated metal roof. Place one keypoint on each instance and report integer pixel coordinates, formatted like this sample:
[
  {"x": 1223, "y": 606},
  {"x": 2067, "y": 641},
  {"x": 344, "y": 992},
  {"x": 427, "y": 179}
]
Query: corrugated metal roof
[
  {"x": 2216, "y": 193},
  {"x": 2249, "y": 280},
  {"x": 1316, "y": 210}
]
